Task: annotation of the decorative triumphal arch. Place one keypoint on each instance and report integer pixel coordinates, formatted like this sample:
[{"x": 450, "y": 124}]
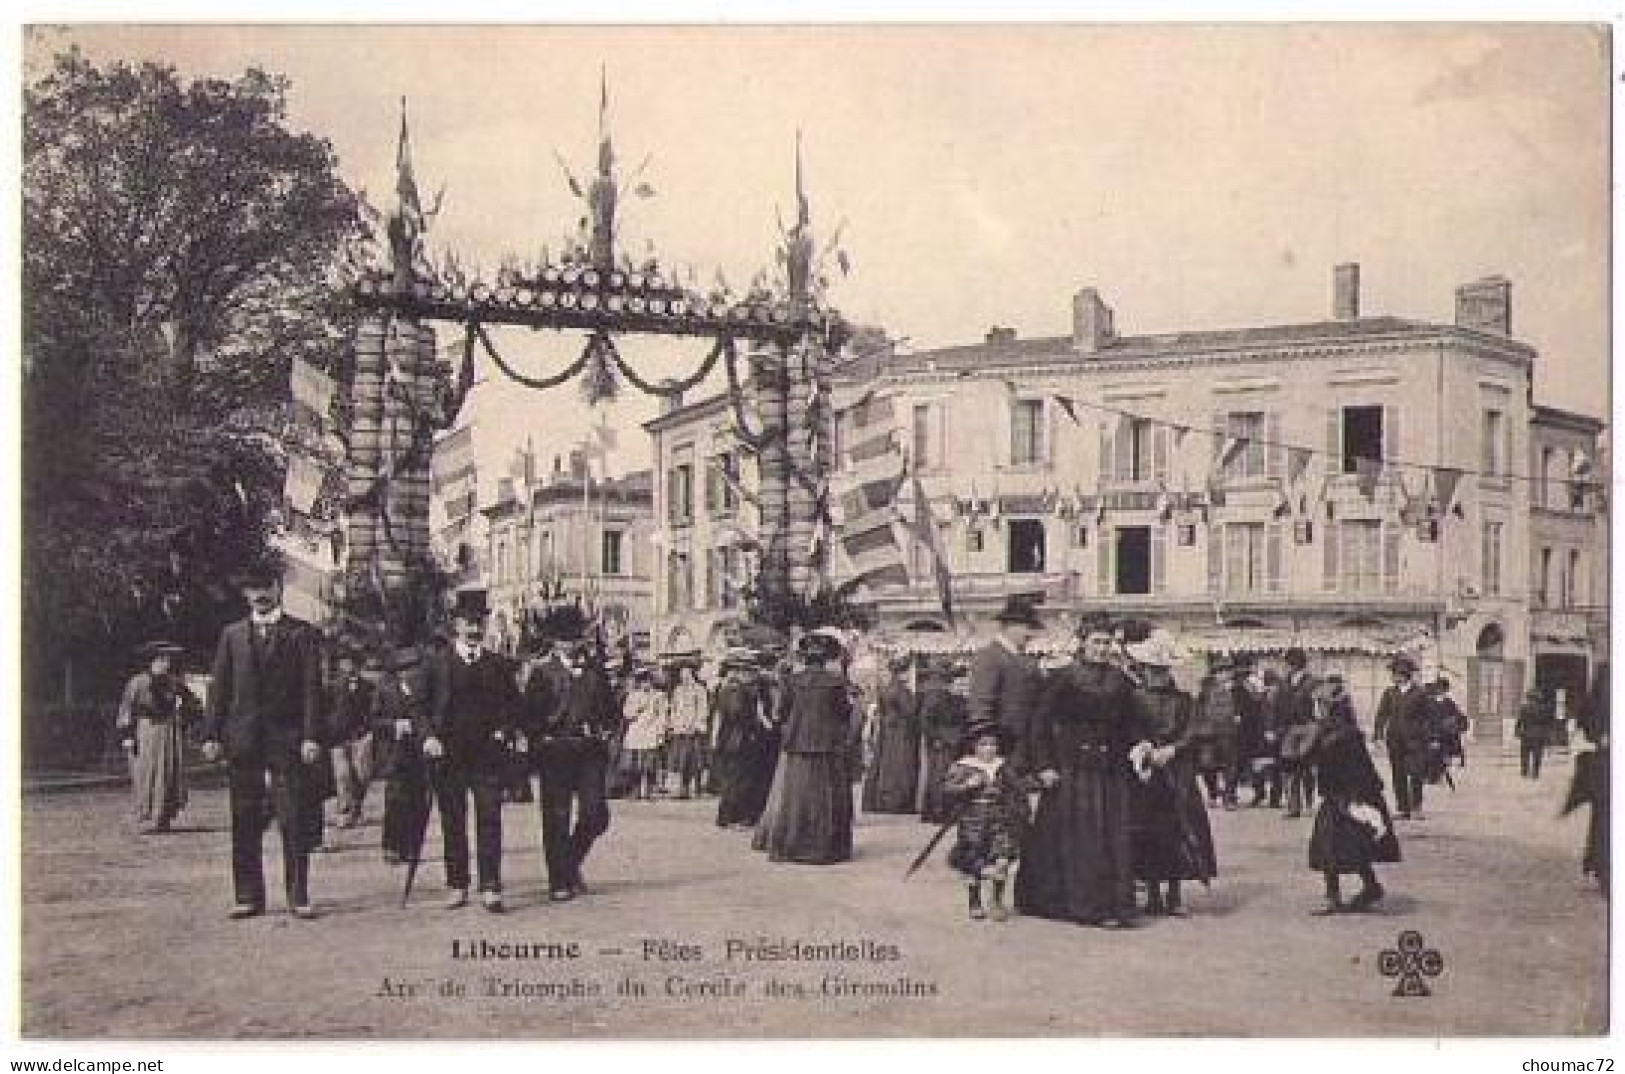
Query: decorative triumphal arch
[{"x": 400, "y": 395}]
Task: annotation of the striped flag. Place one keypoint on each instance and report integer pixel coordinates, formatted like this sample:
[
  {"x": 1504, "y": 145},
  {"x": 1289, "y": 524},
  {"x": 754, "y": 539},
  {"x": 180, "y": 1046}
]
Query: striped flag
[
  {"x": 313, "y": 392},
  {"x": 866, "y": 490},
  {"x": 304, "y": 483},
  {"x": 925, "y": 531}
]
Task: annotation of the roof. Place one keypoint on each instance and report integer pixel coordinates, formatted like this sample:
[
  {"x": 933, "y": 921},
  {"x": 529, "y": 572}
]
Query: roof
[
  {"x": 1567, "y": 419},
  {"x": 700, "y": 408},
  {"x": 1060, "y": 350}
]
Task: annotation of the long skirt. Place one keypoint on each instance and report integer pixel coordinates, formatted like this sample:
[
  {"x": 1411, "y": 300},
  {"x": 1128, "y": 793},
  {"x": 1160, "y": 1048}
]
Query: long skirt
[
  {"x": 685, "y": 755},
  {"x": 157, "y": 776},
  {"x": 809, "y": 812},
  {"x": 893, "y": 778},
  {"x": 1350, "y": 834},
  {"x": 744, "y": 777},
  {"x": 1077, "y": 864},
  {"x": 1171, "y": 834}
]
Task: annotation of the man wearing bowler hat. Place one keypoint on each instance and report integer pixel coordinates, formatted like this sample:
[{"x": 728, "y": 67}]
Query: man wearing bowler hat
[
  {"x": 1005, "y": 682},
  {"x": 472, "y": 713},
  {"x": 1405, "y": 726},
  {"x": 265, "y": 718}
]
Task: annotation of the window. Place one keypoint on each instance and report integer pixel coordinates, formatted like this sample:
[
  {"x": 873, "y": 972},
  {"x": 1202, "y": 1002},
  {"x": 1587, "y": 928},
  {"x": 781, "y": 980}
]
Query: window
[
  {"x": 1494, "y": 461},
  {"x": 1026, "y": 546},
  {"x": 679, "y": 582},
  {"x": 1360, "y": 555},
  {"x": 721, "y": 482},
  {"x": 1543, "y": 581},
  {"x": 1362, "y": 436},
  {"x": 928, "y": 438},
  {"x": 1027, "y": 432},
  {"x": 1133, "y": 573},
  {"x": 1549, "y": 478},
  {"x": 1572, "y": 593},
  {"x": 1491, "y": 559},
  {"x": 1244, "y": 557},
  {"x": 680, "y": 494},
  {"x": 1247, "y": 458},
  {"x": 1134, "y": 449},
  {"x": 612, "y": 552}
]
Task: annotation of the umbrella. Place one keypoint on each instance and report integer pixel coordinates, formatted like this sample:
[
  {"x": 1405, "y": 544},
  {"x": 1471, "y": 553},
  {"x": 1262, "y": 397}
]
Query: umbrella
[
  {"x": 421, "y": 833},
  {"x": 936, "y": 838}
]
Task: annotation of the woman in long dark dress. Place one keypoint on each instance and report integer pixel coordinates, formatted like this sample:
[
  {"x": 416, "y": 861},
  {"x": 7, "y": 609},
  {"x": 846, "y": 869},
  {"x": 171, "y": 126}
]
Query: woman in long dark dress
[
  {"x": 747, "y": 744},
  {"x": 1173, "y": 841},
  {"x": 1077, "y": 863},
  {"x": 809, "y": 818},
  {"x": 894, "y": 775},
  {"x": 943, "y": 713},
  {"x": 152, "y": 723},
  {"x": 1353, "y": 830}
]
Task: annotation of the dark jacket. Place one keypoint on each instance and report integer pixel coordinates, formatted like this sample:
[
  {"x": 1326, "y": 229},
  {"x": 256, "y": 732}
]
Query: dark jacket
[
  {"x": 402, "y": 694},
  {"x": 473, "y": 707},
  {"x": 742, "y": 711},
  {"x": 350, "y": 707},
  {"x": 816, "y": 710},
  {"x": 1005, "y": 688},
  {"x": 1405, "y": 719},
  {"x": 1087, "y": 721},
  {"x": 265, "y": 699}
]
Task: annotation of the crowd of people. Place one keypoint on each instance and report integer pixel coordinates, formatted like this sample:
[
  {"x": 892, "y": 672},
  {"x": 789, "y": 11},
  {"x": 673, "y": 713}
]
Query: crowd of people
[{"x": 1078, "y": 790}]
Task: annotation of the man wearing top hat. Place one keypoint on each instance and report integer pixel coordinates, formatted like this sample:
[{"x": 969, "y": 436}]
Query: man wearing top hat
[
  {"x": 1405, "y": 726},
  {"x": 472, "y": 712},
  {"x": 1005, "y": 683},
  {"x": 569, "y": 739},
  {"x": 265, "y": 717}
]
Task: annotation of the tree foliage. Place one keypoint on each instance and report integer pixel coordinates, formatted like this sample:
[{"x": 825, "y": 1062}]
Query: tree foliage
[{"x": 179, "y": 250}]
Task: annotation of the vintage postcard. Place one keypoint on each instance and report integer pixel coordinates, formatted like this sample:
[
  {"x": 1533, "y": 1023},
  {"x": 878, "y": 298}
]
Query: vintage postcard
[{"x": 815, "y": 531}]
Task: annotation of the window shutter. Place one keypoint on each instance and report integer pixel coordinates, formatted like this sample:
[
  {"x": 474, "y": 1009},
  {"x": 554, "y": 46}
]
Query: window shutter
[
  {"x": 1390, "y": 557},
  {"x": 1015, "y": 432},
  {"x": 1159, "y": 453},
  {"x": 1159, "y": 558},
  {"x": 1103, "y": 557},
  {"x": 1328, "y": 534},
  {"x": 1275, "y": 451},
  {"x": 1215, "y": 557},
  {"x": 1272, "y": 556},
  {"x": 1106, "y": 470},
  {"x": 1125, "y": 449},
  {"x": 1047, "y": 455},
  {"x": 1334, "y": 441},
  {"x": 1390, "y": 435},
  {"x": 711, "y": 483}
]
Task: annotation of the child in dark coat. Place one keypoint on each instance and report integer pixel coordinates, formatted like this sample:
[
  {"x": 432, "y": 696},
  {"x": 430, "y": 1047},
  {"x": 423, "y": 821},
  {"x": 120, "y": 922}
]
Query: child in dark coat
[{"x": 991, "y": 803}]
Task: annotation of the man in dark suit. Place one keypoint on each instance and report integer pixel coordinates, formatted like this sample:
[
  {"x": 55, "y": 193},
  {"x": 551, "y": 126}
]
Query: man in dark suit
[
  {"x": 570, "y": 721},
  {"x": 472, "y": 712},
  {"x": 1006, "y": 683},
  {"x": 1296, "y": 711},
  {"x": 1405, "y": 725},
  {"x": 265, "y": 717}
]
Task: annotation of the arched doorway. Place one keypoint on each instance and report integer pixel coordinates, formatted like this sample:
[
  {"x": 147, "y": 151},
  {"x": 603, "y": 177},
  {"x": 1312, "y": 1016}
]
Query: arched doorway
[{"x": 1495, "y": 685}]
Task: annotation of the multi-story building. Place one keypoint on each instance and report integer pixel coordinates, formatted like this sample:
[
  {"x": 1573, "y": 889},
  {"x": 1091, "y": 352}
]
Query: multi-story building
[
  {"x": 706, "y": 542},
  {"x": 455, "y": 526},
  {"x": 1568, "y": 545},
  {"x": 568, "y": 535},
  {"x": 1352, "y": 485}
]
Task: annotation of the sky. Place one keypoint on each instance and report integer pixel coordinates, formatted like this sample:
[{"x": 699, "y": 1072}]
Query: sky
[{"x": 1199, "y": 176}]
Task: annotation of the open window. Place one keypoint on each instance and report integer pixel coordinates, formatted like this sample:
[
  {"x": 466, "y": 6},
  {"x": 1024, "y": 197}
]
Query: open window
[
  {"x": 1026, "y": 546},
  {"x": 1362, "y": 436},
  {"x": 1133, "y": 559}
]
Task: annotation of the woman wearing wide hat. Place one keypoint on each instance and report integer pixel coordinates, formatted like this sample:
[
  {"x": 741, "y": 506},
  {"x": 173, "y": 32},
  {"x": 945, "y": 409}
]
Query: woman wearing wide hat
[
  {"x": 892, "y": 782},
  {"x": 809, "y": 816},
  {"x": 152, "y": 719},
  {"x": 747, "y": 741},
  {"x": 1173, "y": 841}
]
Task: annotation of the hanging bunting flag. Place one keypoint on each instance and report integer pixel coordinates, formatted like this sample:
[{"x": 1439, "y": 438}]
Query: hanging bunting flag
[
  {"x": 1283, "y": 502},
  {"x": 1366, "y": 474},
  {"x": 1164, "y": 503},
  {"x": 1445, "y": 481},
  {"x": 1297, "y": 461},
  {"x": 1179, "y": 435},
  {"x": 1215, "y": 489},
  {"x": 1233, "y": 446},
  {"x": 1066, "y": 403},
  {"x": 924, "y": 526}
]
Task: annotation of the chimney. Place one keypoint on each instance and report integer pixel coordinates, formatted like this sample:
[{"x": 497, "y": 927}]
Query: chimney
[
  {"x": 1346, "y": 292},
  {"x": 1485, "y": 305},
  {"x": 578, "y": 466},
  {"x": 1091, "y": 322},
  {"x": 998, "y": 335},
  {"x": 671, "y": 402}
]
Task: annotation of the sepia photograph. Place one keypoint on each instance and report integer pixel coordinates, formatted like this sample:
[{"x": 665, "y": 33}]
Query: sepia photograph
[{"x": 825, "y": 531}]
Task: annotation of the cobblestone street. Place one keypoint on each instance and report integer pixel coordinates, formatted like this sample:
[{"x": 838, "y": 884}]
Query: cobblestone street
[{"x": 127, "y": 937}]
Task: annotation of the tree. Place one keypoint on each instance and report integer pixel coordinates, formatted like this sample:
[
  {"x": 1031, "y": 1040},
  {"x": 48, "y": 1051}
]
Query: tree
[{"x": 179, "y": 251}]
